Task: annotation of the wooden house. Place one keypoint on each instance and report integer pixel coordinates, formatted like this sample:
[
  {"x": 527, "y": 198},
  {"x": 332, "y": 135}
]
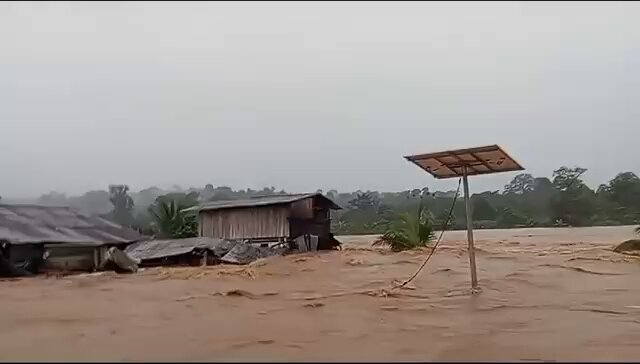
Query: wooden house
[
  {"x": 276, "y": 218},
  {"x": 74, "y": 241}
]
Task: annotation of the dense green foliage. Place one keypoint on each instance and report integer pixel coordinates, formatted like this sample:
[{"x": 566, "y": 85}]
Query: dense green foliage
[
  {"x": 563, "y": 200},
  {"x": 169, "y": 221},
  {"x": 169, "y": 218},
  {"x": 408, "y": 230}
]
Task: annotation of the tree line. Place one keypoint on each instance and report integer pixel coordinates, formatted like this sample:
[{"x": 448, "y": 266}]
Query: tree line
[{"x": 526, "y": 201}]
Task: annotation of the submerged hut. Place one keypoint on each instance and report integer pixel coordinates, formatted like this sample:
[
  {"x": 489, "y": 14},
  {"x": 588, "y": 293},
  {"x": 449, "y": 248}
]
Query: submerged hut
[
  {"x": 74, "y": 241},
  {"x": 277, "y": 218}
]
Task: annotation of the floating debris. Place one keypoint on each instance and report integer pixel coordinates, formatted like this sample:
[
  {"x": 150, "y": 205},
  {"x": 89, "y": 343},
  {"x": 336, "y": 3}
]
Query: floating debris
[
  {"x": 314, "y": 304},
  {"x": 244, "y": 253}
]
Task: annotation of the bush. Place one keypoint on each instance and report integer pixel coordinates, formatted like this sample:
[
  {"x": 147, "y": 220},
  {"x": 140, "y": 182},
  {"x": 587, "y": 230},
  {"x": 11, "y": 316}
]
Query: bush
[{"x": 408, "y": 231}]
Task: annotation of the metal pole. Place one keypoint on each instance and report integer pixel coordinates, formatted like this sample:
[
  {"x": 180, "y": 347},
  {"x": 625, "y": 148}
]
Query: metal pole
[{"x": 472, "y": 250}]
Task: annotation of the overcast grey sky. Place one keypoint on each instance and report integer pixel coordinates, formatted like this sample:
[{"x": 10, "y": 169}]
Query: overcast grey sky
[{"x": 310, "y": 95}]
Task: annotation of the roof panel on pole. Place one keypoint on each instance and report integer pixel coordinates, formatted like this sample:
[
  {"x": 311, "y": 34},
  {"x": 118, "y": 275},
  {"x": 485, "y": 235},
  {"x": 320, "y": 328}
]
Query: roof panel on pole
[{"x": 481, "y": 160}]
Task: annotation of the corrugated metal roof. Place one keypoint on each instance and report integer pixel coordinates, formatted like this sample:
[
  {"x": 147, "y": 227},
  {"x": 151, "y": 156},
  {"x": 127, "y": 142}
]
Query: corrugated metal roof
[
  {"x": 24, "y": 224},
  {"x": 261, "y": 201},
  {"x": 247, "y": 253},
  {"x": 154, "y": 249}
]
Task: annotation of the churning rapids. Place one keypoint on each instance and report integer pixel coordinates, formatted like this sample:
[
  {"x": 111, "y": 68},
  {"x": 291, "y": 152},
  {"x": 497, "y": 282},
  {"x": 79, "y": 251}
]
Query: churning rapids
[{"x": 546, "y": 294}]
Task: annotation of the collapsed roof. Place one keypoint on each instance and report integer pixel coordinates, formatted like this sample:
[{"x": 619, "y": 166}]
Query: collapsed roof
[
  {"x": 228, "y": 251},
  {"x": 154, "y": 249}
]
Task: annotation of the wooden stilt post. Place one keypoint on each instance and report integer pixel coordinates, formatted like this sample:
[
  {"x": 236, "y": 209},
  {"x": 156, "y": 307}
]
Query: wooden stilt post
[
  {"x": 204, "y": 258},
  {"x": 472, "y": 251}
]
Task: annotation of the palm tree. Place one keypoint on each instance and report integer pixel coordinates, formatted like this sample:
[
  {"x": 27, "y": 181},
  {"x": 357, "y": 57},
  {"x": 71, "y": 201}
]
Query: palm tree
[
  {"x": 170, "y": 221},
  {"x": 122, "y": 204},
  {"x": 408, "y": 231}
]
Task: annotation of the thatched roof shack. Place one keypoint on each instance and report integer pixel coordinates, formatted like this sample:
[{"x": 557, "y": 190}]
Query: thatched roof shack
[
  {"x": 268, "y": 218},
  {"x": 74, "y": 240}
]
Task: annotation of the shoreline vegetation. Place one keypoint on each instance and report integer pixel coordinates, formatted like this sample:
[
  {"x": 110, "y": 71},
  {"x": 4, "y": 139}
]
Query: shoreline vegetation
[{"x": 563, "y": 200}]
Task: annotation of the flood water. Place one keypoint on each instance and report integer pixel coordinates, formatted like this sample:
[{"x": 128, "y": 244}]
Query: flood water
[{"x": 545, "y": 294}]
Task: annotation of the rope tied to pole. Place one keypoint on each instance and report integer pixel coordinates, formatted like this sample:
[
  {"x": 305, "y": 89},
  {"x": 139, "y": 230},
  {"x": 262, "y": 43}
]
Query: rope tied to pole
[{"x": 445, "y": 225}]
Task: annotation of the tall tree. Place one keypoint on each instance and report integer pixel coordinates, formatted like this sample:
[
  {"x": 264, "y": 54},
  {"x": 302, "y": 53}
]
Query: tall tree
[
  {"x": 122, "y": 204},
  {"x": 619, "y": 200},
  {"x": 565, "y": 178},
  {"x": 573, "y": 201},
  {"x": 625, "y": 190},
  {"x": 520, "y": 184}
]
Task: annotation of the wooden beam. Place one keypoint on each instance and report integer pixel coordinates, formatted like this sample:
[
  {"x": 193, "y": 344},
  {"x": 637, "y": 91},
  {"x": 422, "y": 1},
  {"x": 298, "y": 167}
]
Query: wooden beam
[
  {"x": 445, "y": 165},
  {"x": 484, "y": 163},
  {"x": 465, "y": 163}
]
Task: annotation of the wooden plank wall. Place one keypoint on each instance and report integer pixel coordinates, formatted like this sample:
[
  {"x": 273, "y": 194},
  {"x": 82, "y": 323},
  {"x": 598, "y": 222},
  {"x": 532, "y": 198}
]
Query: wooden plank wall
[
  {"x": 70, "y": 258},
  {"x": 307, "y": 220},
  {"x": 302, "y": 209},
  {"x": 246, "y": 222}
]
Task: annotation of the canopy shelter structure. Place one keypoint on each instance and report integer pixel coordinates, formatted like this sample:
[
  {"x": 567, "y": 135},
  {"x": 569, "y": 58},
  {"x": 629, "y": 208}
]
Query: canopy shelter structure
[{"x": 462, "y": 163}]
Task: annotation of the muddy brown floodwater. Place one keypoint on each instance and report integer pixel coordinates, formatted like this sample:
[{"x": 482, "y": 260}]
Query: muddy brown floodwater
[{"x": 546, "y": 294}]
